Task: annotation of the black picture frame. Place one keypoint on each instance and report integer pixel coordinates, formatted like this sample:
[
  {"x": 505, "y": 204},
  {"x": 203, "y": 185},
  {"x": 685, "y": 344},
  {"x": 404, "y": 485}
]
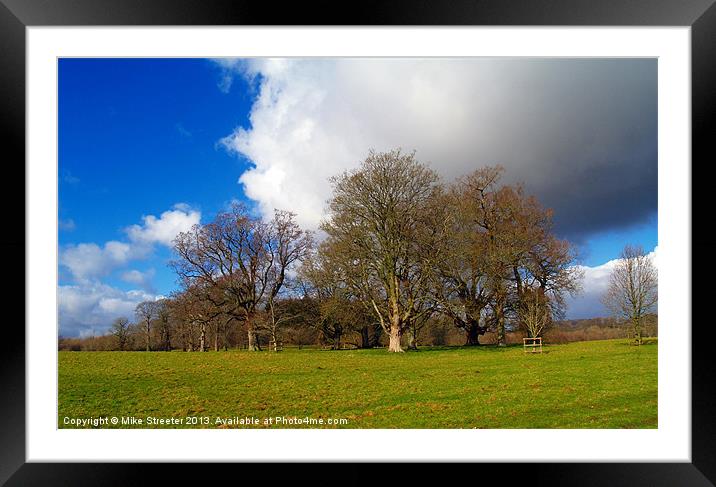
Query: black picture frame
[{"x": 16, "y": 15}]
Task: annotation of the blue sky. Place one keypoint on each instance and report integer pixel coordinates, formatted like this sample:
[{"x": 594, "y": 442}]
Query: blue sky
[
  {"x": 137, "y": 137},
  {"x": 149, "y": 145}
]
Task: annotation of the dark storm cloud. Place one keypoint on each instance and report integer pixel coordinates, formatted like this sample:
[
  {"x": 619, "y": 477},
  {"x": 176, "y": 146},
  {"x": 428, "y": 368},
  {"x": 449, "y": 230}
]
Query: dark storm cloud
[
  {"x": 581, "y": 134},
  {"x": 594, "y": 153}
]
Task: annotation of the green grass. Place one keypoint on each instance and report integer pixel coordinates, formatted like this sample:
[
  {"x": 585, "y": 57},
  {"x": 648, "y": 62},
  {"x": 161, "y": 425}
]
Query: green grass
[{"x": 599, "y": 384}]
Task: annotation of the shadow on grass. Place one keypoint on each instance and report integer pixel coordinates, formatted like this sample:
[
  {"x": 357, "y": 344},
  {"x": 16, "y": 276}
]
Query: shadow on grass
[
  {"x": 491, "y": 348},
  {"x": 456, "y": 348},
  {"x": 646, "y": 342}
]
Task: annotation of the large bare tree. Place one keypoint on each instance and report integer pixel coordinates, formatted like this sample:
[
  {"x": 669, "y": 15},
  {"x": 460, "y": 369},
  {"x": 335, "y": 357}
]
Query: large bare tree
[
  {"x": 633, "y": 288},
  {"x": 463, "y": 290},
  {"x": 501, "y": 244},
  {"x": 243, "y": 257},
  {"x": 376, "y": 229}
]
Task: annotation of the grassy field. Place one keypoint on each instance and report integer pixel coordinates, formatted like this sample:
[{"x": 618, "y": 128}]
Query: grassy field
[{"x": 600, "y": 384}]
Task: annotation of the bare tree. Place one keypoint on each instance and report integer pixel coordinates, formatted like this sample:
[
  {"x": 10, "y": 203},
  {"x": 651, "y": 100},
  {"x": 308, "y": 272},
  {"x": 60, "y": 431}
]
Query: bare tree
[
  {"x": 375, "y": 229},
  {"x": 501, "y": 243},
  {"x": 463, "y": 291},
  {"x": 550, "y": 266},
  {"x": 146, "y": 311},
  {"x": 534, "y": 311},
  {"x": 414, "y": 329},
  {"x": 323, "y": 278},
  {"x": 164, "y": 322},
  {"x": 120, "y": 329},
  {"x": 243, "y": 258},
  {"x": 277, "y": 315},
  {"x": 198, "y": 313},
  {"x": 633, "y": 288}
]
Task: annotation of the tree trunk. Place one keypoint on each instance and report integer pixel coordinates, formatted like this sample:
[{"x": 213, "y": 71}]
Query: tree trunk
[
  {"x": 216, "y": 339},
  {"x": 471, "y": 337},
  {"x": 637, "y": 331},
  {"x": 472, "y": 334},
  {"x": 273, "y": 344},
  {"x": 253, "y": 343},
  {"x": 500, "y": 325},
  {"x": 337, "y": 339},
  {"x": 202, "y": 339},
  {"x": 501, "y": 333},
  {"x": 167, "y": 339},
  {"x": 413, "y": 340},
  {"x": 365, "y": 337},
  {"x": 395, "y": 334},
  {"x": 396, "y": 325}
]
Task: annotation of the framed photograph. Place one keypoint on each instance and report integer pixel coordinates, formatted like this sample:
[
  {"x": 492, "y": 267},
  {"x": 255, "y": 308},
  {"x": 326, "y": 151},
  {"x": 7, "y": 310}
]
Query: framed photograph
[{"x": 422, "y": 234}]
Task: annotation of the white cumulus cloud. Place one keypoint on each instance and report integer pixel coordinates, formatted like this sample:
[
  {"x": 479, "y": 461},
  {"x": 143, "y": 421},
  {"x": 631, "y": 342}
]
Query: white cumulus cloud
[
  {"x": 164, "y": 229},
  {"x": 89, "y": 260},
  {"x": 90, "y": 307},
  {"x": 86, "y": 261}
]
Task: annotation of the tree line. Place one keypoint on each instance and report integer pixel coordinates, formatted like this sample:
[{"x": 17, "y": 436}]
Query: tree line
[{"x": 401, "y": 252}]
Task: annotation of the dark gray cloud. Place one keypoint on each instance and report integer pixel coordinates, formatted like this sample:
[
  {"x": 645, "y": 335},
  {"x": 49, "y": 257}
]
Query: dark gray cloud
[
  {"x": 581, "y": 134},
  {"x": 592, "y": 150}
]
